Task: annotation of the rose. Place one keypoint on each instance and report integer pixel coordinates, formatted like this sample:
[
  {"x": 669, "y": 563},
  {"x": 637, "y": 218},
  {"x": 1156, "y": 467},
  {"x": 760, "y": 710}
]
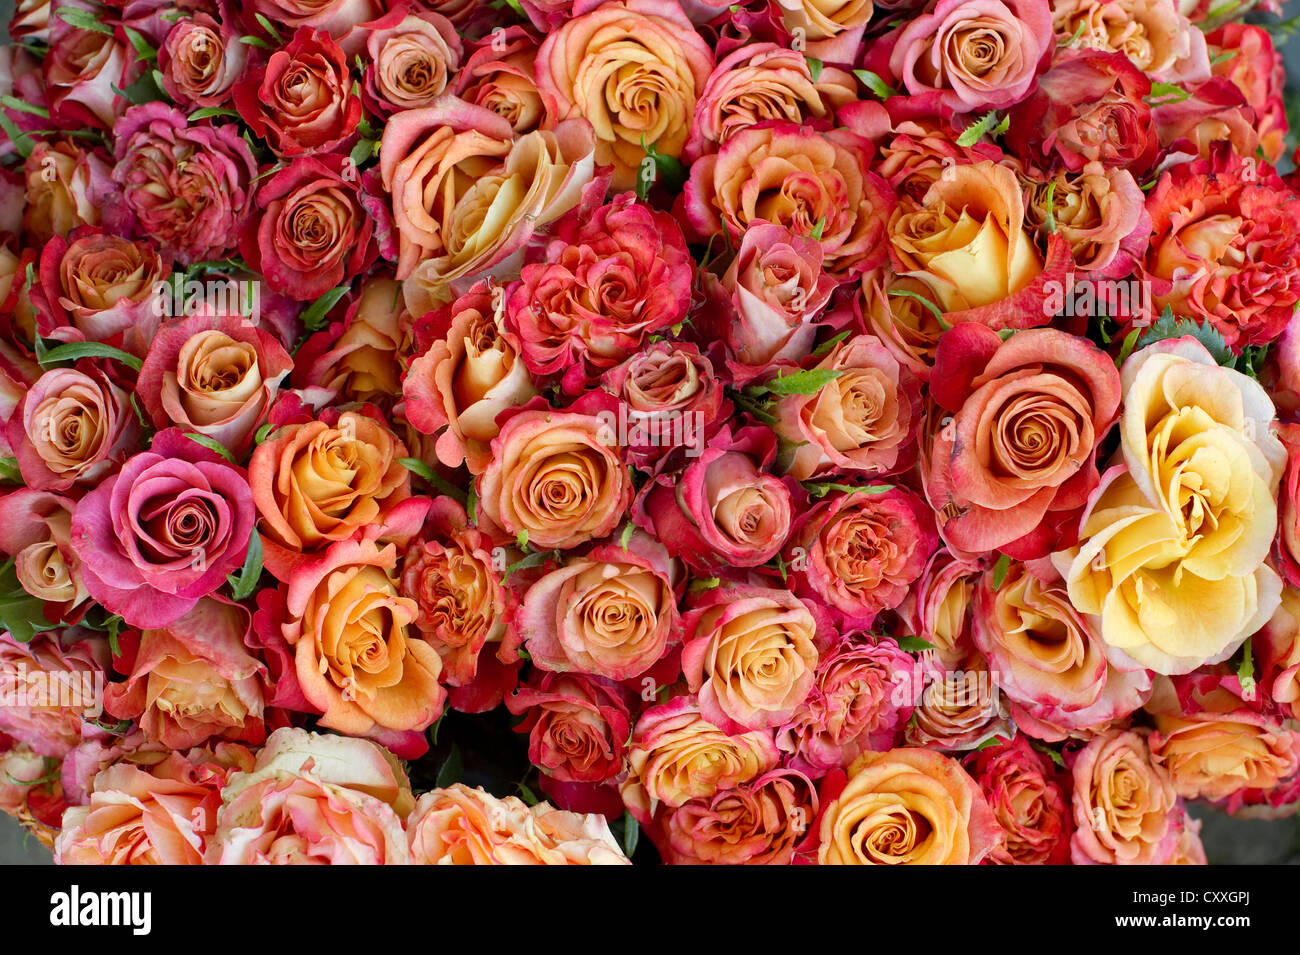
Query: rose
[
  {"x": 73, "y": 195},
  {"x": 159, "y": 812},
  {"x": 758, "y": 82},
  {"x": 967, "y": 243},
  {"x": 1027, "y": 803},
  {"x": 763, "y": 822},
  {"x": 188, "y": 187},
  {"x": 1100, "y": 212},
  {"x": 72, "y": 426},
  {"x": 356, "y": 659},
  {"x": 300, "y": 101},
  {"x": 499, "y": 76},
  {"x": 36, "y": 531},
  {"x": 666, "y": 390},
  {"x": 863, "y": 420},
  {"x": 1088, "y": 108},
  {"x": 778, "y": 288},
  {"x": 469, "y": 375},
  {"x": 977, "y": 54},
  {"x": 1277, "y": 648},
  {"x": 81, "y": 69},
  {"x": 336, "y": 17},
  {"x": 1255, "y": 67},
  {"x": 553, "y": 479},
  {"x": 1047, "y": 656},
  {"x": 854, "y": 706},
  {"x": 1153, "y": 34},
  {"x": 749, "y": 654},
  {"x": 99, "y": 287},
  {"x": 359, "y": 359},
  {"x": 451, "y": 573},
  {"x": 858, "y": 552},
  {"x": 164, "y": 531},
  {"x": 1186, "y": 516},
  {"x": 958, "y": 705},
  {"x": 577, "y": 726},
  {"x": 193, "y": 680},
  {"x": 314, "y": 800},
  {"x": 463, "y": 826},
  {"x": 316, "y": 482},
  {"x": 937, "y": 608},
  {"x": 1189, "y": 850},
  {"x": 608, "y": 281},
  {"x": 676, "y": 755},
  {"x": 724, "y": 508},
  {"x": 309, "y": 232},
  {"x": 410, "y": 62},
  {"x": 634, "y": 70},
  {"x": 446, "y": 165},
  {"x": 1213, "y": 111},
  {"x": 215, "y": 375},
  {"x": 1016, "y": 461},
  {"x": 611, "y": 613},
  {"x": 894, "y": 309},
  {"x": 201, "y": 58},
  {"x": 1124, "y": 804},
  {"x": 907, "y": 807},
  {"x": 917, "y": 138},
  {"x": 37, "y": 676},
  {"x": 827, "y": 19},
  {"x": 815, "y": 184},
  {"x": 22, "y": 772},
  {"x": 1222, "y": 246},
  {"x": 1215, "y": 746}
]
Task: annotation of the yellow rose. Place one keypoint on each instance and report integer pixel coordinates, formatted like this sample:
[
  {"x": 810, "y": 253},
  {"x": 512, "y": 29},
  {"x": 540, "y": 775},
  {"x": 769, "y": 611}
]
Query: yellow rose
[{"x": 1172, "y": 547}]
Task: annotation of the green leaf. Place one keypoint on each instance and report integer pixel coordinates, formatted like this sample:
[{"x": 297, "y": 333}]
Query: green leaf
[
  {"x": 71, "y": 351},
  {"x": 452, "y": 769},
  {"x": 9, "y": 472},
  {"x": 313, "y": 317},
  {"x": 13, "y": 102},
  {"x": 819, "y": 229},
  {"x": 1051, "y": 202},
  {"x": 256, "y": 41},
  {"x": 522, "y": 539},
  {"x": 807, "y": 382},
  {"x": 631, "y": 834},
  {"x": 667, "y": 168},
  {"x": 535, "y": 559},
  {"x": 1078, "y": 32},
  {"x": 915, "y": 644},
  {"x": 875, "y": 84},
  {"x": 1047, "y": 751},
  {"x": 1167, "y": 326},
  {"x": 1246, "y": 670},
  {"x": 419, "y": 468},
  {"x": 21, "y": 140},
  {"x": 471, "y": 505},
  {"x": 701, "y": 584},
  {"x": 244, "y": 583},
  {"x": 212, "y": 444},
  {"x": 363, "y": 150},
  {"x": 821, "y": 489},
  {"x": 20, "y": 613},
  {"x": 518, "y": 7},
  {"x": 208, "y": 112},
  {"x": 986, "y": 125},
  {"x": 814, "y": 67},
  {"x": 1000, "y": 570},
  {"x": 83, "y": 20},
  {"x": 527, "y": 795},
  {"x": 271, "y": 31},
  {"x": 825, "y": 347},
  {"x": 1126, "y": 348},
  {"x": 1167, "y": 93},
  {"x": 934, "y": 309},
  {"x": 263, "y": 432},
  {"x": 142, "y": 46},
  {"x": 626, "y": 536}
]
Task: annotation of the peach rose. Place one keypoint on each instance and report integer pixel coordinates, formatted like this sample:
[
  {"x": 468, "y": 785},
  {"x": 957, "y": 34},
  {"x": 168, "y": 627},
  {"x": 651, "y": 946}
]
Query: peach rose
[
  {"x": 958, "y": 706},
  {"x": 360, "y": 359},
  {"x": 201, "y": 58},
  {"x": 1154, "y": 34},
  {"x": 937, "y": 608},
  {"x": 1124, "y": 804},
  {"x": 1171, "y": 560},
  {"x": 411, "y": 62},
  {"x": 463, "y": 826},
  {"x": 73, "y": 197},
  {"x": 577, "y": 725},
  {"x": 315, "y": 483},
  {"x": 634, "y": 70},
  {"x": 676, "y": 754},
  {"x": 907, "y": 807},
  {"x": 314, "y": 800},
  {"x": 469, "y": 375},
  {"x": 749, "y": 653},
  {"x": 892, "y": 307},
  {"x": 51, "y": 685},
  {"x": 1100, "y": 212},
  {"x": 356, "y": 657},
  {"x": 36, "y": 531},
  {"x": 500, "y": 76},
  {"x": 553, "y": 480}
]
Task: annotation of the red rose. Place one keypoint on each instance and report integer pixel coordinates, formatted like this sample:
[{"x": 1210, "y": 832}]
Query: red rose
[{"x": 577, "y": 725}]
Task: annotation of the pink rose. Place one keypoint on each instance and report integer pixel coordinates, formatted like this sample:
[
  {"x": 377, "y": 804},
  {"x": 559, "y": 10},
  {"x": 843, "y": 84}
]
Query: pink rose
[
  {"x": 1027, "y": 801},
  {"x": 577, "y": 725},
  {"x": 36, "y": 531},
  {"x": 1125, "y": 807},
  {"x": 410, "y": 62},
  {"x": 499, "y": 76},
  {"x": 51, "y": 685},
  {"x": 202, "y": 58},
  {"x": 81, "y": 69}
]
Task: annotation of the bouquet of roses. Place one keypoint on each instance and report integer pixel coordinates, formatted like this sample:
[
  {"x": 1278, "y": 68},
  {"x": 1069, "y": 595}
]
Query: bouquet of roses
[{"x": 811, "y": 431}]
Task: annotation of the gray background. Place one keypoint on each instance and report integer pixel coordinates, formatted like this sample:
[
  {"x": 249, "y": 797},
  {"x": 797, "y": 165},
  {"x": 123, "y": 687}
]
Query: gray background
[{"x": 1227, "y": 841}]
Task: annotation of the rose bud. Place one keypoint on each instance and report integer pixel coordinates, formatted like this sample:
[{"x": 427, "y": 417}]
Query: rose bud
[
  {"x": 213, "y": 374},
  {"x": 907, "y": 807},
  {"x": 202, "y": 58},
  {"x": 66, "y": 187},
  {"x": 101, "y": 288},
  {"x": 577, "y": 725},
  {"x": 553, "y": 481},
  {"x": 164, "y": 531},
  {"x": 499, "y": 76},
  {"x": 73, "y": 426},
  {"x": 857, "y": 553},
  {"x": 864, "y": 420},
  {"x": 309, "y": 231},
  {"x": 724, "y": 508},
  {"x": 188, "y": 187},
  {"x": 452, "y": 573},
  {"x": 410, "y": 62},
  {"x": 611, "y": 613},
  {"x": 1027, "y": 802},
  {"x": 300, "y": 101},
  {"x": 1125, "y": 807},
  {"x": 36, "y": 531}
]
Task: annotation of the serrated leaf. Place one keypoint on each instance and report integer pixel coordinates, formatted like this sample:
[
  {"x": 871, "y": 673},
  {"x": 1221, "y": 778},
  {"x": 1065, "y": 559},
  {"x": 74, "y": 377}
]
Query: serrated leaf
[
  {"x": 244, "y": 583},
  {"x": 977, "y": 130},
  {"x": 313, "y": 316},
  {"x": 1167, "y": 326},
  {"x": 212, "y": 444},
  {"x": 71, "y": 351}
]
